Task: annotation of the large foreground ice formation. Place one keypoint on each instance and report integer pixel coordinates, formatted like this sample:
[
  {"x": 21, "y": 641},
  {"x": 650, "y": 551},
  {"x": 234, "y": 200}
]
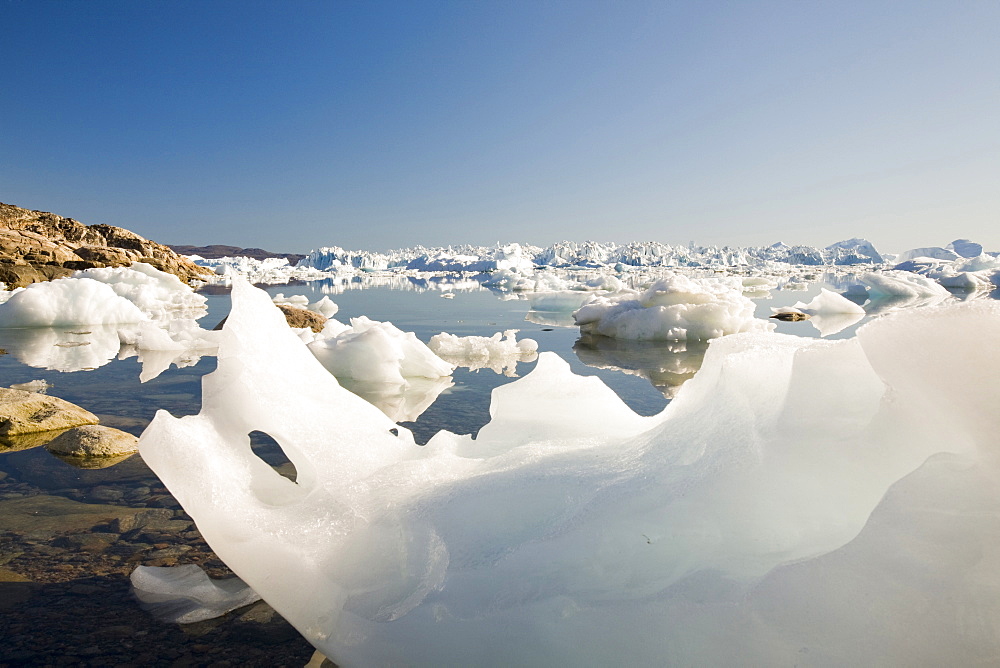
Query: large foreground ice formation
[{"x": 800, "y": 501}]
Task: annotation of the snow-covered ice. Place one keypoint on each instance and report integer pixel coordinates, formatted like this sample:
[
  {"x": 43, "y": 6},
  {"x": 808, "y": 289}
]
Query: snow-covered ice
[{"x": 799, "y": 501}]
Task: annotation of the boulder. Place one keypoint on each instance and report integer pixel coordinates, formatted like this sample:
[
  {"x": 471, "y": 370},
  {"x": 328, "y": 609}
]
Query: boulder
[
  {"x": 94, "y": 441},
  {"x": 301, "y": 317},
  {"x": 27, "y": 412},
  {"x": 39, "y": 246}
]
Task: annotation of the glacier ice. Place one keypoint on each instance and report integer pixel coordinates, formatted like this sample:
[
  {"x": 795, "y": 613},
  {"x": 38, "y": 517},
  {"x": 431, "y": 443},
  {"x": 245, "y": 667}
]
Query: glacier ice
[{"x": 799, "y": 502}]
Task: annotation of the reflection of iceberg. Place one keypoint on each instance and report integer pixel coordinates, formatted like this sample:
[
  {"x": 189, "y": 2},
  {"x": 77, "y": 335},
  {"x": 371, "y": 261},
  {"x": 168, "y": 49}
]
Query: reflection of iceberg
[
  {"x": 573, "y": 532},
  {"x": 60, "y": 349},
  {"x": 401, "y": 402},
  {"x": 667, "y": 365}
]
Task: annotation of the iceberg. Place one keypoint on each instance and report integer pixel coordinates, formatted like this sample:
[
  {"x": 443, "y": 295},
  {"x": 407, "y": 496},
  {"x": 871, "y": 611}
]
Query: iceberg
[
  {"x": 500, "y": 353},
  {"x": 156, "y": 293},
  {"x": 375, "y": 351},
  {"x": 68, "y": 302},
  {"x": 799, "y": 501},
  {"x": 674, "y": 308}
]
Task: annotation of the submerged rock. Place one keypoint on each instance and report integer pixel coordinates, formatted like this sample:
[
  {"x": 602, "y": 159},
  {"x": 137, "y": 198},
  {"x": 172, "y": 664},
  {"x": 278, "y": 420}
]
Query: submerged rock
[
  {"x": 94, "y": 441},
  {"x": 27, "y": 412}
]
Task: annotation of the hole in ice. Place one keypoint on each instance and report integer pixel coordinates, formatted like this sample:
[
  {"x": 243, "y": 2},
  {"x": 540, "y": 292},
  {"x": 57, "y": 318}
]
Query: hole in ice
[
  {"x": 265, "y": 447},
  {"x": 394, "y": 431}
]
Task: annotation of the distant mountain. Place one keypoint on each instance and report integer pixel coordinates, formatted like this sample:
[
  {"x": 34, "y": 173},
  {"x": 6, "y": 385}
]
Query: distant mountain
[{"x": 216, "y": 251}]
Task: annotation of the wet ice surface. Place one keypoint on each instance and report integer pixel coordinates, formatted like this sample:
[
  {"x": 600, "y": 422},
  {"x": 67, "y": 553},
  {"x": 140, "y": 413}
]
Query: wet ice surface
[
  {"x": 749, "y": 522},
  {"x": 640, "y": 374}
]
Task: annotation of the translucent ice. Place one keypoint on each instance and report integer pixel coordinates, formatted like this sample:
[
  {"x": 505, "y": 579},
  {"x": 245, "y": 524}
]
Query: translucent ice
[
  {"x": 799, "y": 501},
  {"x": 185, "y": 594}
]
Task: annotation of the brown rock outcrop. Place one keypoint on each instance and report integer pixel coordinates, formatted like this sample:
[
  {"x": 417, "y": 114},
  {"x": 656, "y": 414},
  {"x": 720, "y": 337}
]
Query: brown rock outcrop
[
  {"x": 300, "y": 318},
  {"x": 28, "y": 412},
  {"x": 39, "y": 246}
]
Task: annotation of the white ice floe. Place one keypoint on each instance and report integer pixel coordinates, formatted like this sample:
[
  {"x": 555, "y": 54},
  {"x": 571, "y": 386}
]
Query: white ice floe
[
  {"x": 673, "y": 308},
  {"x": 156, "y": 293},
  {"x": 68, "y": 302},
  {"x": 500, "y": 353},
  {"x": 376, "y": 351},
  {"x": 800, "y": 500}
]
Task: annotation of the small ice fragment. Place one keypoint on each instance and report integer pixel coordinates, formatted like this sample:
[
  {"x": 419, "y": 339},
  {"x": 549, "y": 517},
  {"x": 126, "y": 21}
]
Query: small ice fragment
[{"x": 185, "y": 594}]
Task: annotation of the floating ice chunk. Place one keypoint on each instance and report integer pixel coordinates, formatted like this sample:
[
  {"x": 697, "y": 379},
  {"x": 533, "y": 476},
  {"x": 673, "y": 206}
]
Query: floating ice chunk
[
  {"x": 325, "y": 306},
  {"x": 297, "y": 301},
  {"x": 830, "y": 313},
  {"x": 673, "y": 308},
  {"x": 185, "y": 594},
  {"x": 377, "y": 351},
  {"x": 39, "y": 386},
  {"x": 933, "y": 252},
  {"x": 574, "y": 532},
  {"x": 157, "y": 294},
  {"x": 500, "y": 353},
  {"x": 902, "y": 284},
  {"x": 68, "y": 302}
]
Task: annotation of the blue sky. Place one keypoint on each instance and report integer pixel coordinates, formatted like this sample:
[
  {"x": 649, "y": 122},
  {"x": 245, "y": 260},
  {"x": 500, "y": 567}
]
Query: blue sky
[{"x": 292, "y": 125}]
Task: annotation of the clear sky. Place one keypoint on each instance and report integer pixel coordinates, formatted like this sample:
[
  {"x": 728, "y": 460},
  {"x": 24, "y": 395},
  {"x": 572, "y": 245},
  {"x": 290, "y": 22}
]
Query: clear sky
[{"x": 292, "y": 125}]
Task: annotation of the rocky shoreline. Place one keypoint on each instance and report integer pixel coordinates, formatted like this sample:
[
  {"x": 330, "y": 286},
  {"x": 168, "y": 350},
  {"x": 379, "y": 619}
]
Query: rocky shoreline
[{"x": 38, "y": 246}]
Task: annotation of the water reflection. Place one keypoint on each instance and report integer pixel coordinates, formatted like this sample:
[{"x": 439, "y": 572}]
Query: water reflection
[
  {"x": 63, "y": 349},
  {"x": 401, "y": 402},
  {"x": 665, "y": 364}
]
